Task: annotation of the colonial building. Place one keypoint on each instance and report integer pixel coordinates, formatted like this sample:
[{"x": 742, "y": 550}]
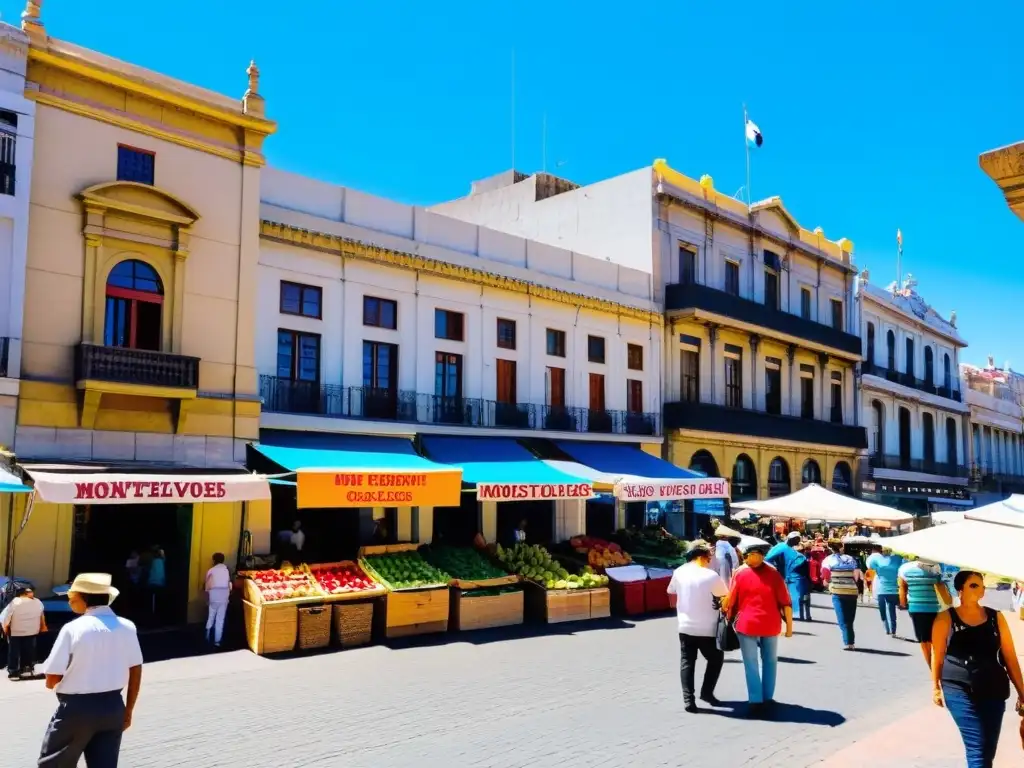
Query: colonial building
[
  {"x": 137, "y": 350},
  {"x": 911, "y": 399},
  {"x": 996, "y": 442},
  {"x": 761, "y": 348},
  {"x": 383, "y": 323}
]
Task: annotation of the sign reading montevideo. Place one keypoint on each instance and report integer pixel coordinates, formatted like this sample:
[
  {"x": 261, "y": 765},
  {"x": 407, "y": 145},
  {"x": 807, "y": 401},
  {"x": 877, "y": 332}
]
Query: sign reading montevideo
[
  {"x": 177, "y": 490},
  {"x": 104, "y": 488},
  {"x": 533, "y": 491},
  {"x": 673, "y": 490},
  {"x": 379, "y": 488}
]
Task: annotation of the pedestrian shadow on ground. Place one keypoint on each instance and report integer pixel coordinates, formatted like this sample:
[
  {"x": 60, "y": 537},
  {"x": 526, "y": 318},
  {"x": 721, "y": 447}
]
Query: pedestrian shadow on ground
[
  {"x": 879, "y": 652},
  {"x": 792, "y": 660},
  {"x": 804, "y": 634},
  {"x": 780, "y": 713}
]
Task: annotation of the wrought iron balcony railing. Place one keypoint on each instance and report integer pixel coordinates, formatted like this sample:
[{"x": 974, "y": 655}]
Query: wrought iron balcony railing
[
  {"x": 135, "y": 366},
  {"x": 908, "y": 380}
]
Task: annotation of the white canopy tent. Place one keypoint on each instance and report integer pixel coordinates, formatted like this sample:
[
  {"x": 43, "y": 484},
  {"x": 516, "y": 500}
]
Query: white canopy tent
[
  {"x": 1008, "y": 511},
  {"x": 988, "y": 547},
  {"x": 817, "y": 503}
]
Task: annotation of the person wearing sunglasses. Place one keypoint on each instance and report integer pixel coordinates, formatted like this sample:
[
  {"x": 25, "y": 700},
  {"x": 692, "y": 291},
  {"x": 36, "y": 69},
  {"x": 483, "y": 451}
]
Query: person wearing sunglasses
[{"x": 973, "y": 666}]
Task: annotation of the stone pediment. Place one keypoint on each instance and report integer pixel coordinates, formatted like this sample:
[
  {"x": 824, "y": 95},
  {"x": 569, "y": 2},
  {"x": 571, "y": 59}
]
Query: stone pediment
[
  {"x": 774, "y": 206},
  {"x": 139, "y": 200}
]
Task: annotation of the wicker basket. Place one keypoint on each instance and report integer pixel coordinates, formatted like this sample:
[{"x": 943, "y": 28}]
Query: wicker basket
[
  {"x": 353, "y": 623},
  {"x": 314, "y": 627},
  {"x": 270, "y": 628}
]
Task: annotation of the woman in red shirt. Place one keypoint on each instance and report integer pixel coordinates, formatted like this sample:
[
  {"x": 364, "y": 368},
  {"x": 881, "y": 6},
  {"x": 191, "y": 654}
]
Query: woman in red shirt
[{"x": 759, "y": 600}]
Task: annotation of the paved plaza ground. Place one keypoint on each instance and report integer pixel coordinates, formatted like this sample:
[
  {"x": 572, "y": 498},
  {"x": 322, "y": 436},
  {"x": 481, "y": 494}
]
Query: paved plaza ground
[{"x": 590, "y": 694}]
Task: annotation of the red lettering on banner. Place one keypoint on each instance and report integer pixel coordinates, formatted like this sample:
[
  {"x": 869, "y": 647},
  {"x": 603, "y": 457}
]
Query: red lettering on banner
[
  {"x": 222, "y": 490},
  {"x": 180, "y": 490},
  {"x": 83, "y": 490}
]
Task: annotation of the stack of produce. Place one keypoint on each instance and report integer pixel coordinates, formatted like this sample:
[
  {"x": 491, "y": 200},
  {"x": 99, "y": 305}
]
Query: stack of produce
[
  {"x": 534, "y": 562},
  {"x": 464, "y": 563},
  {"x": 600, "y": 554},
  {"x": 342, "y": 579},
  {"x": 406, "y": 570},
  {"x": 653, "y": 545},
  {"x": 286, "y": 583}
]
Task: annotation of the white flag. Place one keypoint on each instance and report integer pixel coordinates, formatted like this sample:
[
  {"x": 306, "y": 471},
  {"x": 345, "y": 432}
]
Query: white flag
[{"x": 754, "y": 138}]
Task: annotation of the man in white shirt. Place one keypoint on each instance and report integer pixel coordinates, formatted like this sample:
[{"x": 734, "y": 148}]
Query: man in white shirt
[
  {"x": 94, "y": 658},
  {"x": 297, "y": 541},
  {"x": 699, "y": 592},
  {"x": 218, "y": 590},
  {"x": 22, "y": 622}
]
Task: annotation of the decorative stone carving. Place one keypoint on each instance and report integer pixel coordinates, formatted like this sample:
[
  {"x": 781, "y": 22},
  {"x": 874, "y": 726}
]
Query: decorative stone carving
[{"x": 252, "y": 102}]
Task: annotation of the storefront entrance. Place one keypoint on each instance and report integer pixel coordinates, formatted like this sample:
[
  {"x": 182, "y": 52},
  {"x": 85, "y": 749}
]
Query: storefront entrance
[
  {"x": 106, "y": 537},
  {"x": 458, "y": 526},
  {"x": 539, "y": 517}
]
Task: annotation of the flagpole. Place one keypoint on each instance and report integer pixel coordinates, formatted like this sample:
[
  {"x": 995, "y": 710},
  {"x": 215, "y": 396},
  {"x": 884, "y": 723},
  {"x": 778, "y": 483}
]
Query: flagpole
[
  {"x": 746, "y": 147},
  {"x": 899, "y": 259}
]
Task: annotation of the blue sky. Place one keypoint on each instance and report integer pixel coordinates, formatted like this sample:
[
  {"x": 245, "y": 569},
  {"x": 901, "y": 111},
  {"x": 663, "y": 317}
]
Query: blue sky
[{"x": 873, "y": 115}]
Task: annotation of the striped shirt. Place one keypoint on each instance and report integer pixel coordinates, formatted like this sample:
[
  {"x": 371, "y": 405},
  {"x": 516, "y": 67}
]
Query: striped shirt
[
  {"x": 842, "y": 573},
  {"x": 921, "y": 580}
]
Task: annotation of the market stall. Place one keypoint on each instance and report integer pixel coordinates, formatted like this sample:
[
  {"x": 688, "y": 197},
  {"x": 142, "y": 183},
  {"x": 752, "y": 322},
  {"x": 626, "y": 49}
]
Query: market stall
[
  {"x": 557, "y": 589},
  {"x": 817, "y": 503},
  {"x": 483, "y": 595},
  {"x": 992, "y": 548},
  {"x": 417, "y": 600}
]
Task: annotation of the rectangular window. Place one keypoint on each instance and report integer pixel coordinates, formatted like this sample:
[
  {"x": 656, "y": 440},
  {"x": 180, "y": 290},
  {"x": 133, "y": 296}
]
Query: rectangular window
[
  {"x": 732, "y": 278},
  {"x": 771, "y": 289},
  {"x": 556, "y": 343},
  {"x": 380, "y": 313},
  {"x": 302, "y": 300},
  {"x": 634, "y": 357},
  {"x": 506, "y": 333},
  {"x": 597, "y": 391},
  {"x": 687, "y": 265},
  {"x": 773, "y": 390},
  {"x": 837, "y": 314},
  {"x": 447, "y": 375},
  {"x": 556, "y": 387},
  {"x": 506, "y": 381},
  {"x": 298, "y": 356},
  {"x": 634, "y": 396},
  {"x": 448, "y": 325},
  {"x": 380, "y": 366},
  {"x": 805, "y": 303},
  {"x": 595, "y": 349},
  {"x": 689, "y": 376},
  {"x": 806, "y": 397},
  {"x": 733, "y": 383},
  {"x": 135, "y": 165},
  {"x": 837, "y": 403}
]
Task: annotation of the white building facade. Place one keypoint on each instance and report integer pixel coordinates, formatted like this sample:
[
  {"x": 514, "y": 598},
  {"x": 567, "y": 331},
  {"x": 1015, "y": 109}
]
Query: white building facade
[
  {"x": 911, "y": 400},
  {"x": 996, "y": 438}
]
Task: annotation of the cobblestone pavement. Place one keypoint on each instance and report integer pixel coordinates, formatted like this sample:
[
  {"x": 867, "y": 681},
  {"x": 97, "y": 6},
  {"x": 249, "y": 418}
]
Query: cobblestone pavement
[{"x": 593, "y": 694}]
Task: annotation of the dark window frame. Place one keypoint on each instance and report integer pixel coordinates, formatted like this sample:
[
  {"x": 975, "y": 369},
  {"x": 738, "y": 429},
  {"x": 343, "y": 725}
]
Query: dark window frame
[
  {"x": 449, "y": 327},
  {"x": 558, "y": 337},
  {"x": 302, "y": 287},
  {"x": 687, "y": 264},
  {"x": 806, "y": 302},
  {"x": 125, "y": 302},
  {"x": 732, "y": 278},
  {"x": 773, "y": 396},
  {"x": 634, "y": 396},
  {"x": 807, "y": 397},
  {"x": 379, "y": 319},
  {"x": 630, "y": 350},
  {"x": 127, "y": 167},
  {"x": 733, "y": 384},
  {"x": 502, "y": 339},
  {"x": 689, "y": 380},
  {"x": 591, "y": 357},
  {"x": 776, "y": 302},
  {"x": 296, "y": 337},
  {"x": 836, "y": 306}
]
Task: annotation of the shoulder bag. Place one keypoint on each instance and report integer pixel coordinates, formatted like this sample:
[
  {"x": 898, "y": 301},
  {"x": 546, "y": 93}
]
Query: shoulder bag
[
  {"x": 725, "y": 634},
  {"x": 985, "y": 678}
]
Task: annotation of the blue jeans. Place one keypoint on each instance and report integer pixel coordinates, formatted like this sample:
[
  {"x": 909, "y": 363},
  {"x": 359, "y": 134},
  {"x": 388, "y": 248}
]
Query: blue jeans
[
  {"x": 846, "y": 611},
  {"x": 760, "y": 678},
  {"x": 979, "y": 723},
  {"x": 887, "y": 610},
  {"x": 800, "y": 596}
]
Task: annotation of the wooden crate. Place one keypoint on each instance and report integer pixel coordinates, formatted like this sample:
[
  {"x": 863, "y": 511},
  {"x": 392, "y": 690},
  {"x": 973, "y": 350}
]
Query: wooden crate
[
  {"x": 555, "y": 606},
  {"x": 600, "y": 603},
  {"x": 271, "y": 628},
  {"x": 485, "y": 611},
  {"x": 416, "y": 611},
  {"x": 353, "y": 623},
  {"x": 314, "y": 626},
  {"x": 361, "y": 595}
]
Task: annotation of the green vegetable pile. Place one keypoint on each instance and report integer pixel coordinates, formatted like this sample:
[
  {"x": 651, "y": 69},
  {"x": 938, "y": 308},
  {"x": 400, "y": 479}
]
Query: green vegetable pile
[
  {"x": 533, "y": 562},
  {"x": 651, "y": 540},
  {"x": 464, "y": 563},
  {"x": 406, "y": 570}
]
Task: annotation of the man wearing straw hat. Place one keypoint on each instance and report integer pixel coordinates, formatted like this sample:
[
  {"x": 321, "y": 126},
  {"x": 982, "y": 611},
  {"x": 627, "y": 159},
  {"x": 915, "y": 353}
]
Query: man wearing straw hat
[{"x": 94, "y": 658}]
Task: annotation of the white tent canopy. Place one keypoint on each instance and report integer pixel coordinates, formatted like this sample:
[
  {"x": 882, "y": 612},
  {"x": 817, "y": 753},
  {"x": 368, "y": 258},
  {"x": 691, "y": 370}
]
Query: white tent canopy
[
  {"x": 1008, "y": 511},
  {"x": 817, "y": 503},
  {"x": 986, "y": 547}
]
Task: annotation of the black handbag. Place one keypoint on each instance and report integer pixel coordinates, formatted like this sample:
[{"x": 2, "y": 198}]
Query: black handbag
[
  {"x": 985, "y": 678},
  {"x": 725, "y": 635}
]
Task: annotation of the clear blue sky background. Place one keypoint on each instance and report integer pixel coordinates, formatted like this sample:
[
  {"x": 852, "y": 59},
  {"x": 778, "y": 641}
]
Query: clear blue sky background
[{"x": 873, "y": 114}]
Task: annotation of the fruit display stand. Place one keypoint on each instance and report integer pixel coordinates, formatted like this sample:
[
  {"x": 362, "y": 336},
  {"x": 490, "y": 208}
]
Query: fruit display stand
[
  {"x": 353, "y": 595},
  {"x": 483, "y": 596},
  {"x": 413, "y": 606},
  {"x": 271, "y": 619},
  {"x": 553, "y": 594}
]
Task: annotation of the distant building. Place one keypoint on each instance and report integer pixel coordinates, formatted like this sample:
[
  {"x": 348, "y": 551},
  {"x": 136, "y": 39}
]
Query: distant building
[{"x": 996, "y": 444}]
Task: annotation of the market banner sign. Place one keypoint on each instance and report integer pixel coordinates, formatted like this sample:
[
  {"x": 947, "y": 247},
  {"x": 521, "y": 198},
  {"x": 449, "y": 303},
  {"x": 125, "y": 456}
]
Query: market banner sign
[
  {"x": 378, "y": 488},
  {"x": 533, "y": 491},
  {"x": 673, "y": 490},
  {"x": 102, "y": 488}
]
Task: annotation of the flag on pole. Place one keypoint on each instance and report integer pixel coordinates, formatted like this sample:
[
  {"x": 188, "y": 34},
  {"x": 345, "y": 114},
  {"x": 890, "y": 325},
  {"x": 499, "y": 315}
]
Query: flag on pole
[
  {"x": 754, "y": 138},
  {"x": 899, "y": 239}
]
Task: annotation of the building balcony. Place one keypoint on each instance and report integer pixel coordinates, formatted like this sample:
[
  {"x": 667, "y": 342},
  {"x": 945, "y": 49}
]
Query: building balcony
[
  {"x": 713, "y": 302},
  {"x": 740, "y": 421},
  {"x": 310, "y": 398},
  {"x": 922, "y": 466},
  {"x": 908, "y": 380}
]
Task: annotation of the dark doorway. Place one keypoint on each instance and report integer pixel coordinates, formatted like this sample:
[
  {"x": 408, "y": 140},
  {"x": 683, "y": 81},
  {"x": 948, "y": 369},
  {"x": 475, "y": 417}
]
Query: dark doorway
[
  {"x": 904, "y": 427},
  {"x": 539, "y": 517},
  {"x": 457, "y": 526},
  {"x": 600, "y": 518}
]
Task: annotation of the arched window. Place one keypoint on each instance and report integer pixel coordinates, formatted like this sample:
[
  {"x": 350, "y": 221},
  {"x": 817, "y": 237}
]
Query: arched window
[
  {"x": 890, "y": 345},
  {"x": 951, "y": 452},
  {"x": 904, "y": 425},
  {"x": 811, "y": 473},
  {"x": 842, "y": 478},
  {"x": 947, "y": 381},
  {"x": 910, "y": 358},
  {"x": 877, "y": 436},
  {"x": 778, "y": 477},
  {"x": 135, "y": 300},
  {"x": 929, "y": 366},
  {"x": 871, "y": 344},
  {"x": 744, "y": 479},
  {"x": 928, "y": 428},
  {"x": 702, "y": 461}
]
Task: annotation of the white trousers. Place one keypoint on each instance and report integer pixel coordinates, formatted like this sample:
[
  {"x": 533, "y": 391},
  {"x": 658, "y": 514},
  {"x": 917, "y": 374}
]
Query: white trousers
[{"x": 217, "y": 611}]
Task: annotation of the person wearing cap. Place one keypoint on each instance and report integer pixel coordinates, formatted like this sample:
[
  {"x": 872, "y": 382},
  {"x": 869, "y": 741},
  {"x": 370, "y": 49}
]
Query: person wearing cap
[
  {"x": 699, "y": 591},
  {"x": 94, "y": 658},
  {"x": 758, "y": 601},
  {"x": 726, "y": 559},
  {"x": 792, "y": 564},
  {"x": 22, "y": 621}
]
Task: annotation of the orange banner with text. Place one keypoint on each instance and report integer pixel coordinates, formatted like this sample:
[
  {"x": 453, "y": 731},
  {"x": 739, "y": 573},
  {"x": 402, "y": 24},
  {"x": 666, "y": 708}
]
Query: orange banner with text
[{"x": 379, "y": 488}]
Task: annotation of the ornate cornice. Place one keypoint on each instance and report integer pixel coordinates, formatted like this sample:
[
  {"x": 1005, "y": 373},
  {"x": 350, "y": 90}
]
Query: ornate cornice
[{"x": 354, "y": 249}]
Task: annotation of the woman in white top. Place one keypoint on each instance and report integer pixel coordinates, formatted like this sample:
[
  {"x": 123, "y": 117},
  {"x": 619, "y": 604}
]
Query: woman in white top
[
  {"x": 218, "y": 590},
  {"x": 22, "y": 622}
]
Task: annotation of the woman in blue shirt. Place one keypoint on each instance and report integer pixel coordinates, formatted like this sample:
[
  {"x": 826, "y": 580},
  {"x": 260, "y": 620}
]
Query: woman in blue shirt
[{"x": 886, "y": 566}]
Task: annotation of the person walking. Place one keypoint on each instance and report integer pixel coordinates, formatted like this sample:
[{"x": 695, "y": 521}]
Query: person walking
[
  {"x": 840, "y": 573},
  {"x": 792, "y": 565},
  {"x": 699, "y": 591},
  {"x": 725, "y": 560},
  {"x": 22, "y": 621},
  {"x": 973, "y": 665},
  {"x": 923, "y": 593},
  {"x": 218, "y": 591},
  {"x": 758, "y": 600},
  {"x": 107, "y": 659},
  {"x": 886, "y": 590}
]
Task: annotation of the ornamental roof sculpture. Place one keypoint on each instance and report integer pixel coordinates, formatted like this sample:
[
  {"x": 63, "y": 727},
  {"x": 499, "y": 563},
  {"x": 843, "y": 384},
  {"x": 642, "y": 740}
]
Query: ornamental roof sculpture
[{"x": 905, "y": 298}]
